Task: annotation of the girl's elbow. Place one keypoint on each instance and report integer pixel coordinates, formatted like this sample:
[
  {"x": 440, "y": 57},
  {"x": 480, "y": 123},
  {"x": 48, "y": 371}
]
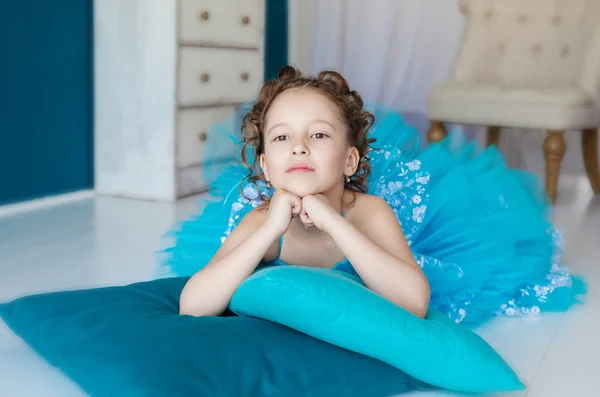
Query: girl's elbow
[
  {"x": 421, "y": 301},
  {"x": 420, "y": 310},
  {"x": 189, "y": 304},
  {"x": 184, "y": 311},
  {"x": 417, "y": 304},
  {"x": 186, "y": 307},
  {"x": 199, "y": 306}
]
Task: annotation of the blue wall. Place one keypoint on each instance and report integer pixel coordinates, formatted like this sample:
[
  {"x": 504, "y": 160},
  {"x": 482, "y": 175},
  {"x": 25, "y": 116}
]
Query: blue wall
[
  {"x": 276, "y": 37},
  {"x": 46, "y": 93},
  {"x": 45, "y": 98}
]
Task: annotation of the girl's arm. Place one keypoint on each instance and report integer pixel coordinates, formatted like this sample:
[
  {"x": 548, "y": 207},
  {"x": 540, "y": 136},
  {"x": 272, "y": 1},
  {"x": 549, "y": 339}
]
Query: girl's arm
[
  {"x": 209, "y": 291},
  {"x": 379, "y": 253}
]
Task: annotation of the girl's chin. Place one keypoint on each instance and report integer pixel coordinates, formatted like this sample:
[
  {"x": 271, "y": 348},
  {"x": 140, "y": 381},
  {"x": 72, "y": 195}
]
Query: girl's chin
[
  {"x": 302, "y": 191},
  {"x": 308, "y": 184}
]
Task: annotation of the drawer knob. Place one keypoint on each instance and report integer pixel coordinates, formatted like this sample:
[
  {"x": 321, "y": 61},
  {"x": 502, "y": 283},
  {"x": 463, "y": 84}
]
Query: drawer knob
[
  {"x": 246, "y": 20},
  {"x": 244, "y": 76},
  {"x": 202, "y": 137},
  {"x": 204, "y": 77},
  {"x": 204, "y": 15}
]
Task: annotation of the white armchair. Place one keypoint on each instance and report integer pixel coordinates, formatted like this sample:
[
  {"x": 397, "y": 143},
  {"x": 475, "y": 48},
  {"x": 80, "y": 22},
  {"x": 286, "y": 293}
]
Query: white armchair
[{"x": 527, "y": 64}]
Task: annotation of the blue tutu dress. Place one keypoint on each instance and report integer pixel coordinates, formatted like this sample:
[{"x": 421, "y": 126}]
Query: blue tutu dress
[{"x": 480, "y": 231}]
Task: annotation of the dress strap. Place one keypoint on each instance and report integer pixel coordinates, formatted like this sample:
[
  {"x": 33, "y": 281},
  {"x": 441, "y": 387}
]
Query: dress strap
[{"x": 280, "y": 245}]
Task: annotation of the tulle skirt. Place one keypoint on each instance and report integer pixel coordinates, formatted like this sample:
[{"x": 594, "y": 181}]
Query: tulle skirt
[{"x": 480, "y": 231}]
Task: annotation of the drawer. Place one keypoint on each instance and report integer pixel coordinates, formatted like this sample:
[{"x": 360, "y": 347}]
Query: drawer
[
  {"x": 218, "y": 75},
  {"x": 190, "y": 180},
  {"x": 195, "y": 144},
  {"x": 238, "y": 23}
]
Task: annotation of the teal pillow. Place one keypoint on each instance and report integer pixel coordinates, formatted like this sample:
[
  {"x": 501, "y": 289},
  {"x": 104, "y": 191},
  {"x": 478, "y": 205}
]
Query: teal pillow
[
  {"x": 337, "y": 308},
  {"x": 130, "y": 341}
]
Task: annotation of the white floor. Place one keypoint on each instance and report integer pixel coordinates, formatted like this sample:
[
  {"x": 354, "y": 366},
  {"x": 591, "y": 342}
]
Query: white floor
[{"x": 108, "y": 241}]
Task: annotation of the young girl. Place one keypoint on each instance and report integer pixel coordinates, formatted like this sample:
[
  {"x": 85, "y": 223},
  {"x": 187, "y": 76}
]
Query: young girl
[{"x": 445, "y": 228}]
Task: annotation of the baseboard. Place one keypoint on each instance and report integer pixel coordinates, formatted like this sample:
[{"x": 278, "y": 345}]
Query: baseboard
[{"x": 44, "y": 202}]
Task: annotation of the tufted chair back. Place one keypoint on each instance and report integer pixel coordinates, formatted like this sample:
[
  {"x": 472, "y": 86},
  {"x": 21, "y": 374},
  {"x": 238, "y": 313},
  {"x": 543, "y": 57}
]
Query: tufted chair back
[{"x": 531, "y": 44}]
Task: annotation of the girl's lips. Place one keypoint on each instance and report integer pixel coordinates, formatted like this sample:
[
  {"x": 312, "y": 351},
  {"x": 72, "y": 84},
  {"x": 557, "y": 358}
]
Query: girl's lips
[{"x": 300, "y": 167}]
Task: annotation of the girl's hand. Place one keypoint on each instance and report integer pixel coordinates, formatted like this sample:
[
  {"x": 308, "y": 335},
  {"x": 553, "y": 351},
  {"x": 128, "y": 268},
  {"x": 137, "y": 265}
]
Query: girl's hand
[
  {"x": 283, "y": 207},
  {"x": 317, "y": 211}
]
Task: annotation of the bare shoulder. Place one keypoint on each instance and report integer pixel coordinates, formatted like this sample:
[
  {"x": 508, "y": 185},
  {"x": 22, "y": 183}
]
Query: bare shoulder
[
  {"x": 254, "y": 219},
  {"x": 376, "y": 219},
  {"x": 365, "y": 200},
  {"x": 369, "y": 208}
]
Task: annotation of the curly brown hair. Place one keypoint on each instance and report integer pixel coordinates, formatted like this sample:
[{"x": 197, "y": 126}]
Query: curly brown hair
[{"x": 335, "y": 87}]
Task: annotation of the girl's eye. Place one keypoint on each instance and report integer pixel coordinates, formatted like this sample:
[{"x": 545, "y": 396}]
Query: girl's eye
[
  {"x": 280, "y": 138},
  {"x": 319, "y": 135}
]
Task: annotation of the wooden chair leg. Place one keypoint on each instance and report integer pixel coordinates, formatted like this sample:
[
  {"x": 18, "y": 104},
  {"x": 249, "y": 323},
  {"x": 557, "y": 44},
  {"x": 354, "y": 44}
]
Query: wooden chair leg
[
  {"x": 493, "y": 136},
  {"x": 437, "y": 132},
  {"x": 554, "y": 150},
  {"x": 589, "y": 146}
]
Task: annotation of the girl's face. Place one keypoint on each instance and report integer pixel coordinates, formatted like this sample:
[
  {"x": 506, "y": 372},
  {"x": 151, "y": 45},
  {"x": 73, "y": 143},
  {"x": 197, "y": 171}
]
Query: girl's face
[{"x": 306, "y": 148}]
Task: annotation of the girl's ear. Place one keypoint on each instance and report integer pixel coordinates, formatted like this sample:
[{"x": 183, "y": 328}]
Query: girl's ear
[
  {"x": 352, "y": 161},
  {"x": 263, "y": 166}
]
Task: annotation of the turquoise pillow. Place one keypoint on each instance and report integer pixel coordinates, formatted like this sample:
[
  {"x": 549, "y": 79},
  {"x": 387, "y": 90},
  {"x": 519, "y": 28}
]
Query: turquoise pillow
[
  {"x": 337, "y": 308},
  {"x": 131, "y": 341}
]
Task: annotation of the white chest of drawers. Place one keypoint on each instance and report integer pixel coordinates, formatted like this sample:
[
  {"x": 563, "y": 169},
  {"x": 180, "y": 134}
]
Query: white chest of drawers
[{"x": 165, "y": 70}]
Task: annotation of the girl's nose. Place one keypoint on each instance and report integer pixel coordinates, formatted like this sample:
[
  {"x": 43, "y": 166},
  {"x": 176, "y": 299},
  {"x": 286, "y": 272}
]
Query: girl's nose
[{"x": 300, "y": 148}]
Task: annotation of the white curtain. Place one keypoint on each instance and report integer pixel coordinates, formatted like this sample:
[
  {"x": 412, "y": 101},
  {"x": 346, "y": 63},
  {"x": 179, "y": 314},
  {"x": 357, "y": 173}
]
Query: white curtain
[
  {"x": 391, "y": 51},
  {"x": 394, "y": 51}
]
